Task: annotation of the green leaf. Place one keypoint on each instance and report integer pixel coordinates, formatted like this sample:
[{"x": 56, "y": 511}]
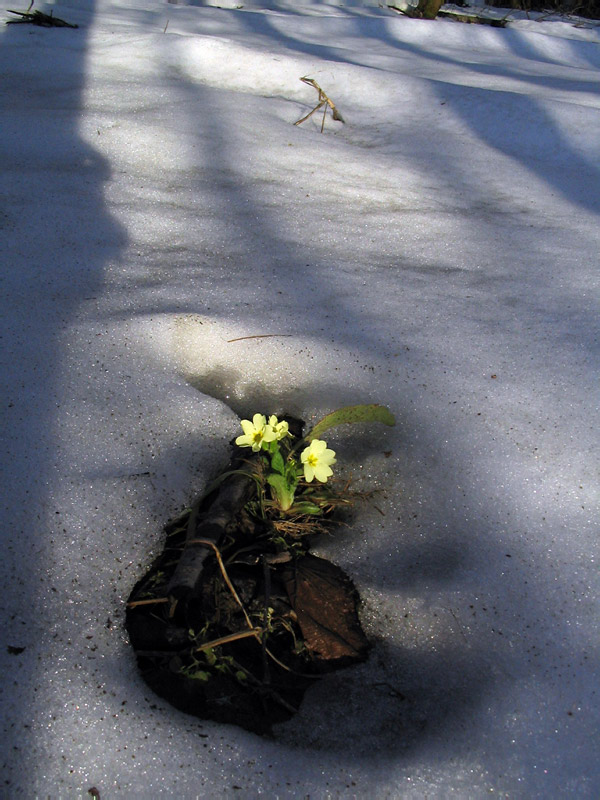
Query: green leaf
[
  {"x": 277, "y": 463},
  {"x": 282, "y": 491},
  {"x": 199, "y": 675},
  {"x": 292, "y": 472},
  {"x": 270, "y": 447},
  {"x": 306, "y": 508},
  {"x": 364, "y": 413}
]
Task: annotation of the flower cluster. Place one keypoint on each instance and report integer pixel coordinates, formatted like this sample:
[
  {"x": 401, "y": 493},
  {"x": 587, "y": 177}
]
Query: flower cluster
[
  {"x": 260, "y": 432},
  {"x": 284, "y": 469}
]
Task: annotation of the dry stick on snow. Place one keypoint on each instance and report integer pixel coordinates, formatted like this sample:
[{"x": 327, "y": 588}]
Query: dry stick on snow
[
  {"x": 260, "y": 335},
  {"x": 323, "y": 103}
]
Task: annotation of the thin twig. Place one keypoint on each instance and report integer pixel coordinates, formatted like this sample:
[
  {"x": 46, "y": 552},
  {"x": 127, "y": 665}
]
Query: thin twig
[
  {"x": 259, "y": 336},
  {"x": 269, "y": 689},
  {"x": 230, "y": 585},
  {"x": 136, "y": 603},
  {"x": 322, "y": 102},
  {"x": 460, "y": 627},
  {"x": 267, "y": 579},
  {"x": 256, "y": 632},
  {"x": 310, "y": 113},
  {"x": 232, "y": 637}
]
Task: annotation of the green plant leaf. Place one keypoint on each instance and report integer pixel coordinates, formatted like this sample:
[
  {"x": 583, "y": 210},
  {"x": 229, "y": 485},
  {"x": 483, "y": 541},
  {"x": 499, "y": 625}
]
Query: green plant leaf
[
  {"x": 293, "y": 472},
  {"x": 282, "y": 491},
  {"x": 270, "y": 447},
  {"x": 306, "y": 508},
  {"x": 199, "y": 675},
  {"x": 364, "y": 413},
  {"x": 277, "y": 464}
]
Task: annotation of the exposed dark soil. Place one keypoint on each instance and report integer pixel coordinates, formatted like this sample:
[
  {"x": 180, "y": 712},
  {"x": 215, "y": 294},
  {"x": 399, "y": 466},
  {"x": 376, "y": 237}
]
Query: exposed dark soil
[{"x": 289, "y": 617}]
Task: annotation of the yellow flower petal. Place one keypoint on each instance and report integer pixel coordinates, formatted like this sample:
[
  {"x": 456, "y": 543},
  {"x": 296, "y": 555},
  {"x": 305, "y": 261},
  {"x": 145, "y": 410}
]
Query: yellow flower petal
[
  {"x": 317, "y": 460},
  {"x": 255, "y": 433}
]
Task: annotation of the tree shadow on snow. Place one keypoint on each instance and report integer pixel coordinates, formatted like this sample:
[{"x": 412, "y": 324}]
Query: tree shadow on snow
[
  {"x": 418, "y": 692},
  {"x": 408, "y": 694},
  {"x": 57, "y": 236},
  {"x": 573, "y": 176}
]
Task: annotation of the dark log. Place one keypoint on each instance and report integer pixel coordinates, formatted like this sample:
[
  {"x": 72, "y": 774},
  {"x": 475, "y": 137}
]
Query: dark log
[
  {"x": 473, "y": 19},
  {"x": 210, "y": 524}
]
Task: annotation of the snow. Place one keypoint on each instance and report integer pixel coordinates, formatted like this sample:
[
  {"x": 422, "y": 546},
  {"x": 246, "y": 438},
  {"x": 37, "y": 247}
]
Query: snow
[{"x": 438, "y": 253}]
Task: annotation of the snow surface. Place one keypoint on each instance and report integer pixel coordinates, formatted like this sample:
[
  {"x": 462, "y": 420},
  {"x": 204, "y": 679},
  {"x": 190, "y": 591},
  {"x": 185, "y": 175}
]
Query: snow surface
[{"x": 438, "y": 253}]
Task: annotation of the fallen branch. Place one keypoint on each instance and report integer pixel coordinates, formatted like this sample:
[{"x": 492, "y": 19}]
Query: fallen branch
[
  {"x": 324, "y": 102},
  {"x": 474, "y": 19},
  {"x": 38, "y": 18},
  {"x": 206, "y": 529}
]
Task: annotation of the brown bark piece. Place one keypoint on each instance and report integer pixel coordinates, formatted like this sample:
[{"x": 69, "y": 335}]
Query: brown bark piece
[{"x": 325, "y": 602}]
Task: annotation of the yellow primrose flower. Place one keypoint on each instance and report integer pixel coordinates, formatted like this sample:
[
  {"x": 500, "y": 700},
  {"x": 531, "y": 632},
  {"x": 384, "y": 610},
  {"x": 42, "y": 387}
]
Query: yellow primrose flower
[
  {"x": 281, "y": 429},
  {"x": 317, "y": 459},
  {"x": 255, "y": 433}
]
